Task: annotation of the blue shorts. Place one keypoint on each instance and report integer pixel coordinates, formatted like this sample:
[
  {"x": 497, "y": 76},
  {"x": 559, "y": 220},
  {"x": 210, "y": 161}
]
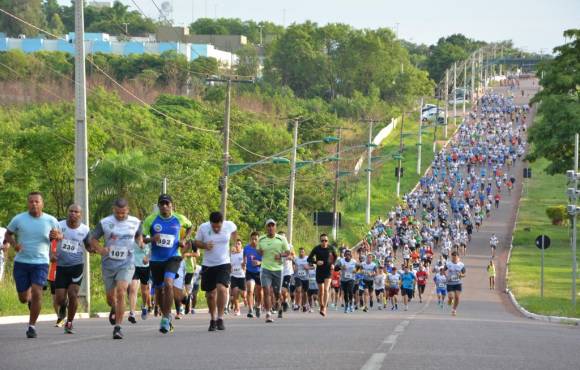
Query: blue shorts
[
  {"x": 441, "y": 291},
  {"x": 26, "y": 274}
]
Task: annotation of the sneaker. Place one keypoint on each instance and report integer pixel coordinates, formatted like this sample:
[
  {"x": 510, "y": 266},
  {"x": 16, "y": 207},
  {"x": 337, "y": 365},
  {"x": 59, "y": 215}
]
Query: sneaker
[
  {"x": 365, "y": 309},
  {"x": 193, "y": 311},
  {"x": 380, "y": 308},
  {"x": 212, "y": 326},
  {"x": 117, "y": 334},
  {"x": 220, "y": 324},
  {"x": 132, "y": 318},
  {"x": 164, "y": 325},
  {"x": 112, "y": 320},
  {"x": 250, "y": 315},
  {"x": 68, "y": 328},
  {"x": 453, "y": 312},
  {"x": 258, "y": 311},
  {"x": 178, "y": 316},
  {"x": 156, "y": 311},
  {"x": 237, "y": 313},
  {"x": 406, "y": 307},
  {"x": 285, "y": 306},
  {"x": 144, "y": 313},
  {"x": 62, "y": 312},
  {"x": 304, "y": 309},
  {"x": 269, "y": 318},
  {"x": 187, "y": 304},
  {"x": 59, "y": 323},
  {"x": 310, "y": 310},
  {"x": 280, "y": 313},
  {"x": 346, "y": 310},
  {"x": 31, "y": 332}
]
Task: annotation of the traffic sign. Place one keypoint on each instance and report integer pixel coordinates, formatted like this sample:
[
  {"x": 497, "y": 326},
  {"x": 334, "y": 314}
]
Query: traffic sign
[{"x": 543, "y": 241}]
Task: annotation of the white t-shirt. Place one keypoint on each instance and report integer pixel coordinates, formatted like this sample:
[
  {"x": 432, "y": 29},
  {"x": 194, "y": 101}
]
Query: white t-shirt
[
  {"x": 454, "y": 271},
  {"x": 220, "y": 253},
  {"x": 288, "y": 269},
  {"x": 237, "y": 259},
  {"x": 301, "y": 271},
  {"x": 394, "y": 280},
  {"x": 380, "y": 281}
]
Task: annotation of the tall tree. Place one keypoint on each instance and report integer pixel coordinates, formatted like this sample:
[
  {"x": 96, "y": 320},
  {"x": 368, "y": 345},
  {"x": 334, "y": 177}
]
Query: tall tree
[{"x": 29, "y": 10}]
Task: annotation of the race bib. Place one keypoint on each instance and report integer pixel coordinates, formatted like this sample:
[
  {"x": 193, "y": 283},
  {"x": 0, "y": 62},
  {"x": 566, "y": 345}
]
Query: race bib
[
  {"x": 312, "y": 279},
  {"x": 348, "y": 275},
  {"x": 237, "y": 269},
  {"x": 302, "y": 273},
  {"x": 69, "y": 246},
  {"x": 118, "y": 253},
  {"x": 454, "y": 277},
  {"x": 166, "y": 241},
  {"x": 441, "y": 285}
]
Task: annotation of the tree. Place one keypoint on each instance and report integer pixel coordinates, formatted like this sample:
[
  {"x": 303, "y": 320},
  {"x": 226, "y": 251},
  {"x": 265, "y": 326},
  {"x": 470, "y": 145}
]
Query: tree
[
  {"x": 552, "y": 134},
  {"x": 30, "y": 10},
  {"x": 248, "y": 63}
]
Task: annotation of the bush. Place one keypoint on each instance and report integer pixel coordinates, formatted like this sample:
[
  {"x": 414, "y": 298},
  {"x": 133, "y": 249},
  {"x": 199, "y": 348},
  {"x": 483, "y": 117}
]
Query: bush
[{"x": 557, "y": 214}]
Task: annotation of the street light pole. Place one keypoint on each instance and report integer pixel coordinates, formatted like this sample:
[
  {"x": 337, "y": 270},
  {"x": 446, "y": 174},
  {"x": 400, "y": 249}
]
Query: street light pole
[
  {"x": 369, "y": 170},
  {"x": 574, "y": 220},
  {"x": 335, "y": 220},
  {"x": 290, "y": 222},
  {"x": 226, "y": 149},
  {"x": 446, "y": 100},
  {"x": 400, "y": 155},
  {"x": 464, "y": 86},
  {"x": 455, "y": 94},
  {"x": 420, "y": 139},
  {"x": 473, "y": 78},
  {"x": 81, "y": 184}
]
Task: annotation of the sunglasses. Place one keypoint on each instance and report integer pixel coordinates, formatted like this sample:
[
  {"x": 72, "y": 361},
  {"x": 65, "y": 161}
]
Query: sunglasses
[
  {"x": 324, "y": 240},
  {"x": 164, "y": 203}
]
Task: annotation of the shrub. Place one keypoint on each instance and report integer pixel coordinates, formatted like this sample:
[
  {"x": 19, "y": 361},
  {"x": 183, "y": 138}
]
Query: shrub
[{"x": 557, "y": 214}]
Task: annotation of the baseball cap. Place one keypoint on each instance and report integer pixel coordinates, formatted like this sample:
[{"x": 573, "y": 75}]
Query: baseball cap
[
  {"x": 164, "y": 198},
  {"x": 270, "y": 221}
]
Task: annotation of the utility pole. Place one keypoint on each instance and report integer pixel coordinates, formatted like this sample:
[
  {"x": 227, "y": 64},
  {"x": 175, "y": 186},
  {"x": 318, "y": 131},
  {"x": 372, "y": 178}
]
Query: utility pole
[
  {"x": 446, "y": 100},
  {"x": 464, "y": 86},
  {"x": 223, "y": 184},
  {"x": 420, "y": 141},
  {"x": 164, "y": 186},
  {"x": 290, "y": 221},
  {"x": 574, "y": 225},
  {"x": 481, "y": 71},
  {"x": 400, "y": 155},
  {"x": 436, "y": 122},
  {"x": 369, "y": 170},
  {"x": 81, "y": 184},
  {"x": 473, "y": 78},
  {"x": 455, "y": 94},
  {"x": 335, "y": 221}
]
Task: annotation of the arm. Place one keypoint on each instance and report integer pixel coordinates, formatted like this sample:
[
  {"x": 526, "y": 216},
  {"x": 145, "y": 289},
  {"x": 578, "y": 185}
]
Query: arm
[
  {"x": 311, "y": 257},
  {"x": 9, "y": 239},
  {"x": 94, "y": 241}
]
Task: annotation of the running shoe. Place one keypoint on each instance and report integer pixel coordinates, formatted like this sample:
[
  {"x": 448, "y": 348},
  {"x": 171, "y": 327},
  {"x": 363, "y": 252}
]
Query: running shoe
[
  {"x": 453, "y": 312},
  {"x": 258, "y": 311},
  {"x": 132, "y": 318},
  {"x": 68, "y": 328},
  {"x": 365, "y": 309},
  {"x": 62, "y": 312},
  {"x": 31, "y": 332},
  {"x": 212, "y": 326},
  {"x": 220, "y": 324},
  {"x": 164, "y": 325},
  {"x": 193, "y": 311},
  {"x": 59, "y": 323},
  {"x": 280, "y": 313},
  {"x": 250, "y": 315},
  {"x": 117, "y": 334},
  {"x": 144, "y": 313},
  {"x": 112, "y": 320},
  {"x": 304, "y": 309},
  {"x": 187, "y": 304},
  {"x": 269, "y": 318},
  {"x": 285, "y": 306}
]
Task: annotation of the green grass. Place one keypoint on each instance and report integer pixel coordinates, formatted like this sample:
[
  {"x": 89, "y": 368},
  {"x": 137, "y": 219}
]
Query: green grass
[
  {"x": 9, "y": 304},
  {"x": 383, "y": 183},
  {"x": 524, "y": 270}
]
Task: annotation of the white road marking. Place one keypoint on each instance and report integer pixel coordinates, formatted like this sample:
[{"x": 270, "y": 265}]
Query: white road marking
[
  {"x": 375, "y": 362},
  {"x": 391, "y": 339}
]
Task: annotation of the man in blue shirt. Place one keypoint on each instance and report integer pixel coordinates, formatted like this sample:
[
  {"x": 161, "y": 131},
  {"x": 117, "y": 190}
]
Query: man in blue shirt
[
  {"x": 31, "y": 233},
  {"x": 253, "y": 284},
  {"x": 164, "y": 231},
  {"x": 408, "y": 285}
]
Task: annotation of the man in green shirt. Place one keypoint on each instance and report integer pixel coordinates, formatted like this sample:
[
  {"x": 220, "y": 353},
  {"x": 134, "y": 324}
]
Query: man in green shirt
[{"x": 272, "y": 247}]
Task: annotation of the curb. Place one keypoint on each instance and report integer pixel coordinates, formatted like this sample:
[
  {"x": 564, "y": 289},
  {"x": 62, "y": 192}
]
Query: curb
[
  {"x": 23, "y": 319},
  {"x": 517, "y": 305}
]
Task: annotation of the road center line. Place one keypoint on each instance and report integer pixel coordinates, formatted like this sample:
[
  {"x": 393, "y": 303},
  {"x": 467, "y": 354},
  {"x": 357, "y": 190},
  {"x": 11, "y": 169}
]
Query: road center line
[{"x": 375, "y": 362}]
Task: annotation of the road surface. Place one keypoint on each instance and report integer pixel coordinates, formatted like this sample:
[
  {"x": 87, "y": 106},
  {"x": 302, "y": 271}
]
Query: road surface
[{"x": 487, "y": 333}]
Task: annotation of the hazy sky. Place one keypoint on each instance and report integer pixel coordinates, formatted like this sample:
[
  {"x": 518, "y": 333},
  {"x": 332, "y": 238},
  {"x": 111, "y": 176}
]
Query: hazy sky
[{"x": 532, "y": 24}]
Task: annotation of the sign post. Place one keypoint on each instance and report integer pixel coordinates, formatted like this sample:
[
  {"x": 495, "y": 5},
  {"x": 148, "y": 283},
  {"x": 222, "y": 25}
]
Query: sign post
[{"x": 542, "y": 242}]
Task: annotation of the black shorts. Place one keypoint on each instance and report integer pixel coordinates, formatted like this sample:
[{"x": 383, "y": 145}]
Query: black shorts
[
  {"x": 336, "y": 289},
  {"x": 214, "y": 275},
  {"x": 142, "y": 274},
  {"x": 67, "y": 275},
  {"x": 286, "y": 281},
  {"x": 321, "y": 276},
  {"x": 454, "y": 288},
  {"x": 369, "y": 285},
  {"x": 164, "y": 269},
  {"x": 379, "y": 292},
  {"x": 421, "y": 288},
  {"x": 237, "y": 282},
  {"x": 302, "y": 284},
  {"x": 407, "y": 292},
  {"x": 52, "y": 287},
  {"x": 253, "y": 276},
  {"x": 312, "y": 292},
  {"x": 188, "y": 278}
]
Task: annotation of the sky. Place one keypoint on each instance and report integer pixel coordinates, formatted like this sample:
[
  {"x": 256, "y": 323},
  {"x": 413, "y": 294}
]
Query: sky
[{"x": 534, "y": 25}]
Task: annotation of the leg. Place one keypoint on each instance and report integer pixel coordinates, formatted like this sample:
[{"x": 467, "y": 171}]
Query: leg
[
  {"x": 222, "y": 298},
  {"x": 60, "y": 297},
  {"x": 211, "y": 298},
  {"x": 167, "y": 296},
  {"x": 73, "y": 293},
  {"x": 133, "y": 288},
  {"x": 36, "y": 302},
  {"x": 120, "y": 291},
  {"x": 250, "y": 289}
]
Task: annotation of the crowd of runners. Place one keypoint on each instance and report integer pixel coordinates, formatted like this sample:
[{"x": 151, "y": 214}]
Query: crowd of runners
[{"x": 419, "y": 242}]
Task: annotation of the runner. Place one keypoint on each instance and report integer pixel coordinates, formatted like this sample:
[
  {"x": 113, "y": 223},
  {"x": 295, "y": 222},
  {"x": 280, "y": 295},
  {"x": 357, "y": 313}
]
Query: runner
[
  {"x": 347, "y": 268},
  {"x": 120, "y": 231},
  {"x": 178, "y": 291},
  {"x": 214, "y": 236},
  {"x": 287, "y": 273},
  {"x": 189, "y": 258},
  {"x": 455, "y": 271},
  {"x": 30, "y": 233},
  {"x": 302, "y": 267},
  {"x": 440, "y": 280},
  {"x": 253, "y": 284},
  {"x": 164, "y": 232},
  {"x": 323, "y": 256},
  {"x": 335, "y": 288},
  {"x": 140, "y": 282},
  {"x": 70, "y": 259},
  {"x": 422, "y": 276},
  {"x": 313, "y": 293},
  {"x": 272, "y": 247},
  {"x": 59, "y": 310},
  {"x": 238, "y": 275},
  {"x": 379, "y": 284},
  {"x": 394, "y": 279},
  {"x": 491, "y": 274},
  {"x": 369, "y": 269},
  {"x": 408, "y": 280}
]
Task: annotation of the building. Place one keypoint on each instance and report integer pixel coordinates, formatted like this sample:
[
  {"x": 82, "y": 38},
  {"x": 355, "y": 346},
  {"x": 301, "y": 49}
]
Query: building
[
  {"x": 104, "y": 43},
  {"x": 230, "y": 43}
]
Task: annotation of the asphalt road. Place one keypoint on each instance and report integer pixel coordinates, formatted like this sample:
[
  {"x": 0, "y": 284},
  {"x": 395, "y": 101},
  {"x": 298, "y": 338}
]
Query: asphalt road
[{"x": 487, "y": 333}]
